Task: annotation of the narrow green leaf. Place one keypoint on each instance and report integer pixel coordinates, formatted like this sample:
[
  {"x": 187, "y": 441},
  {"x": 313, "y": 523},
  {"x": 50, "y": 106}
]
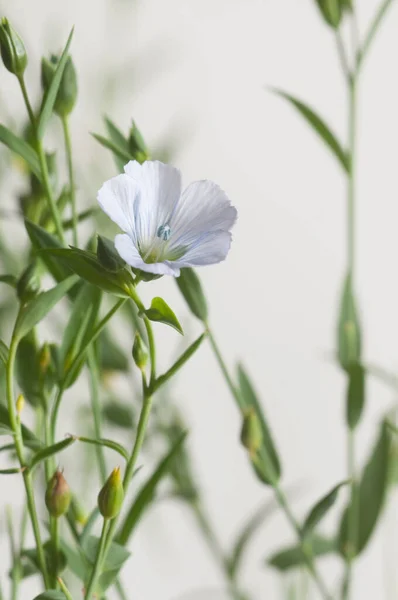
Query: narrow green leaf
[
  {"x": 20, "y": 147},
  {"x": 146, "y": 494},
  {"x": 51, "y": 450},
  {"x": 108, "y": 256},
  {"x": 117, "y": 138},
  {"x": 320, "y": 510},
  {"x": 293, "y": 557},
  {"x": 107, "y": 444},
  {"x": 51, "y": 595},
  {"x": 349, "y": 329},
  {"x": 372, "y": 493},
  {"x": 41, "y": 239},
  {"x": 28, "y": 436},
  {"x": 116, "y": 556},
  {"x": 116, "y": 150},
  {"x": 161, "y": 312},
  {"x": 3, "y": 352},
  {"x": 83, "y": 216},
  {"x": 180, "y": 362},
  {"x": 111, "y": 355},
  {"x": 321, "y": 128},
  {"x": 121, "y": 415},
  {"x": 11, "y": 471},
  {"x": 191, "y": 288},
  {"x": 267, "y": 464},
  {"x": 4, "y": 430},
  {"x": 10, "y": 280},
  {"x": 38, "y": 308},
  {"x": 51, "y": 94},
  {"x": 86, "y": 265},
  {"x": 355, "y": 394},
  {"x": 332, "y": 11},
  {"x": 28, "y": 370}
]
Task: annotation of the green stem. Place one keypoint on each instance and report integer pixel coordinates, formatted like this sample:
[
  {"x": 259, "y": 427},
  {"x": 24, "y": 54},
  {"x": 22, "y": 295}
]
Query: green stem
[
  {"x": 72, "y": 191},
  {"x": 15, "y": 557},
  {"x": 378, "y": 19},
  {"x": 43, "y": 164},
  {"x": 96, "y": 410},
  {"x": 152, "y": 348},
  {"x": 54, "y": 524},
  {"x": 27, "y": 477},
  {"x": 99, "y": 560},
  {"x": 65, "y": 590},
  {"x": 221, "y": 362},
  {"x": 54, "y": 413},
  {"x": 120, "y": 589}
]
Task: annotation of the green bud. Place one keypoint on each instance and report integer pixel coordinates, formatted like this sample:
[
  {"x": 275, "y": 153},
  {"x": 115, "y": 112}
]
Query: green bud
[
  {"x": 12, "y": 49},
  {"x": 67, "y": 91},
  {"x": 108, "y": 256},
  {"x": 137, "y": 145},
  {"x": 58, "y": 495},
  {"x": 28, "y": 284},
  {"x": 331, "y": 11},
  {"x": 44, "y": 358},
  {"x": 140, "y": 352},
  {"x": 77, "y": 512},
  {"x": 110, "y": 498},
  {"x": 251, "y": 435}
]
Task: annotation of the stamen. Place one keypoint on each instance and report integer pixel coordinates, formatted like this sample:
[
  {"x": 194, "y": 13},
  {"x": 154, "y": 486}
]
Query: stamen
[{"x": 164, "y": 232}]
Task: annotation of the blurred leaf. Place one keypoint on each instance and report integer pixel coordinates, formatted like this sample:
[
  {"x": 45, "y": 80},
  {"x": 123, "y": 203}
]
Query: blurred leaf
[
  {"x": 355, "y": 394},
  {"x": 12, "y": 471},
  {"x": 116, "y": 150},
  {"x": 3, "y": 352},
  {"x": 28, "y": 369},
  {"x": 4, "y": 430},
  {"x": 320, "y": 510},
  {"x": 83, "y": 216},
  {"x": 28, "y": 436},
  {"x": 51, "y": 451},
  {"x": 115, "y": 559},
  {"x": 321, "y": 128},
  {"x": 37, "y": 309},
  {"x": 51, "y": 595},
  {"x": 52, "y": 91},
  {"x": 111, "y": 355},
  {"x": 108, "y": 256},
  {"x": 266, "y": 464},
  {"x": 161, "y": 312},
  {"x": 191, "y": 288},
  {"x": 10, "y": 280},
  {"x": 107, "y": 444},
  {"x": 19, "y": 146},
  {"x": 146, "y": 494},
  {"x": 180, "y": 362},
  {"x": 349, "y": 329},
  {"x": 41, "y": 240},
  {"x": 293, "y": 557},
  {"x": 372, "y": 491},
  {"x": 117, "y": 138},
  {"x": 331, "y": 11},
  {"x": 116, "y": 413}
]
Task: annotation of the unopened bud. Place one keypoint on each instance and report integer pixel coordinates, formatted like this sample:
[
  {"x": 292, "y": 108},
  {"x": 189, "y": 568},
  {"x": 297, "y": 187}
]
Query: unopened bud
[
  {"x": 140, "y": 352},
  {"x": 20, "y": 403},
  {"x": 67, "y": 91},
  {"x": 332, "y": 11},
  {"x": 12, "y": 49},
  {"x": 44, "y": 358},
  {"x": 58, "y": 495},
  {"x": 110, "y": 498},
  {"x": 77, "y": 511},
  {"x": 251, "y": 434}
]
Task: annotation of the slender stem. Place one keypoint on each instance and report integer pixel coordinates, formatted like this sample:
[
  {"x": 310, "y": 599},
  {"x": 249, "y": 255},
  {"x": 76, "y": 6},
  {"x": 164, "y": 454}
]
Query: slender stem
[
  {"x": 221, "y": 362},
  {"x": 54, "y": 413},
  {"x": 99, "y": 560},
  {"x": 351, "y": 177},
  {"x": 96, "y": 410},
  {"x": 54, "y": 524},
  {"x": 65, "y": 590},
  {"x": 15, "y": 558},
  {"x": 43, "y": 164},
  {"x": 72, "y": 190},
  {"x": 378, "y": 19},
  {"x": 120, "y": 589},
  {"x": 342, "y": 55},
  {"x": 152, "y": 348},
  {"x": 27, "y": 477}
]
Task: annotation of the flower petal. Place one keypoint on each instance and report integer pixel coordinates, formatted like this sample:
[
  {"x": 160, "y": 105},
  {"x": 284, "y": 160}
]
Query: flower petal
[
  {"x": 209, "y": 249},
  {"x": 203, "y": 208},
  {"x": 128, "y": 251},
  {"x": 159, "y": 192},
  {"x": 116, "y": 198}
]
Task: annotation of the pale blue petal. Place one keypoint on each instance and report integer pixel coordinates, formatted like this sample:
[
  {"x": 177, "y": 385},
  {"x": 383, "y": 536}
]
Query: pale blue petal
[
  {"x": 203, "y": 208},
  {"x": 128, "y": 251},
  {"x": 116, "y": 198},
  {"x": 209, "y": 249},
  {"x": 159, "y": 191}
]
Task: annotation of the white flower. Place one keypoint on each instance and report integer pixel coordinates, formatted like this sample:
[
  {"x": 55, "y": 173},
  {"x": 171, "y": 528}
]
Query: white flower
[{"x": 166, "y": 230}]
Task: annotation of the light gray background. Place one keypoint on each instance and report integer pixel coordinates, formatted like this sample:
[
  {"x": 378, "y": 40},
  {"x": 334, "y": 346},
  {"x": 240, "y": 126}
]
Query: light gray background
[{"x": 198, "y": 69}]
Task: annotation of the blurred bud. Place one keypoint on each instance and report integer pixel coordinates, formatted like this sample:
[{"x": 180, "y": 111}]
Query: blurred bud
[
  {"x": 110, "y": 498},
  {"x": 137, "y": 145},
  {"x": 251, "y": 435},
  {"x": 28, "y": 284},
  {"x": 12, "y": 49},
  {"x": 58, "y": 495},
  {"x": 44, "y": 358},
  {"x": 140, "y": 352},
  {"x": 331, "y": 11},
  {"x": 77, "y": 512},
  {"x": 67, "y": 91},
  {"x": 20, "y": 404},
  {"x": 108, "y": 255}
]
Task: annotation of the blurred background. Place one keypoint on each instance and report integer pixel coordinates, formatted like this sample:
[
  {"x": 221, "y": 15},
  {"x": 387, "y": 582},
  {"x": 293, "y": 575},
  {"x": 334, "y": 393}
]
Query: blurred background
[{"x": 197, "y": 76}]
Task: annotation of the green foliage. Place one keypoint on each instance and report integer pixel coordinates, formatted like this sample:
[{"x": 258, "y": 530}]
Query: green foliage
[
  {"x": 190, "y": 287},
  {"x": 20, "y": 147},
  {"x": 162, "y": 313},
  {"x": 320, "y": 510},
  {"x": 355, "y": 394},
  {"x": 293, "y": 557},
  {"x": 349, "y": 328}
]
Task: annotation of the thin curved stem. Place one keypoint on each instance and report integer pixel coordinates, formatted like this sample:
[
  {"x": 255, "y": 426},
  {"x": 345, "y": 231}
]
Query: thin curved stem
[
  {"x": 72, "y": 190},
  {"x": 99, "y": 560}
]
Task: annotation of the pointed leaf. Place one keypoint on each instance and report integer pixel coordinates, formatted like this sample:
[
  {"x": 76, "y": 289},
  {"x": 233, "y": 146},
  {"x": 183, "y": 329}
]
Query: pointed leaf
[
  {"x": 13, "y": 471},
  {"x": 372, "y": 492},
  {"x": 320, "y": 510},
  {"x": 146, "y": 494},
  {"x": 349, "y": 329},
  {"x": 161, "y": 312},
  {"x": 38, "y": 308},
  {"x": 51, "y": 595},
  {"x": 355, "y": 394},
  {"x": 321, "y": 128},
  {"x": 267, "y": 464},
  {"x": 3, "y": 352},
  {"x": 51, "y": 451},
  {"x": 117, "y": 138},
  {"x": 41, "y": 239},
  {"x": 190, "y": 351},
  {"x": 9, "y": 280},
  {"x": 28, "y": 436},
  {"x": 51, "y": 94},
  {"x": 19, "y": 146},
  {"x": 293, "y": 557},
  {"x": 116, "y": 150},
  {"x": 116, "y": 556},
  {"x": 116, "y": 413},
  {"x": 107, "y": 444},
  {"x": 191, "y": 288}
]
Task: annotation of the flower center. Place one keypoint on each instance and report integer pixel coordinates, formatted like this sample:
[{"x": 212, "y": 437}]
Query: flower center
[{"x": 164, "y": 232}]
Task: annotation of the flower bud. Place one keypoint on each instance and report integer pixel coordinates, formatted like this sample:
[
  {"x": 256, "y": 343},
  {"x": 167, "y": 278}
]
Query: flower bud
[
  {"x": 44, "y": 358},
  {"x": 140, "y": 352},
  {"x": 20, "y": 403},
  {"x": 12, "y": 49},
  {"x": 58, "y": 495},
  {"x": 331, "y": 11},
  {"x": 110, "y": 498},
  {"x": 77, "y": 512},
  {"x": 28, "y": 284},
  {"x": 251, "y": 434},
  {"x": 137, "y": 145},
  {"x": 67, "y": 91}
]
